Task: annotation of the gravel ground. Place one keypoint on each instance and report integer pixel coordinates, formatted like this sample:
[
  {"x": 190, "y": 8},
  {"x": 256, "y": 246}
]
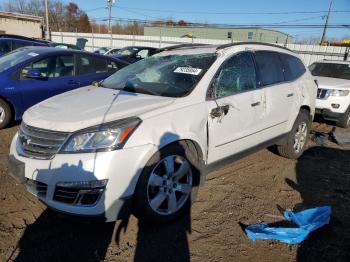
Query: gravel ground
[{"x": 246, "y": 192}]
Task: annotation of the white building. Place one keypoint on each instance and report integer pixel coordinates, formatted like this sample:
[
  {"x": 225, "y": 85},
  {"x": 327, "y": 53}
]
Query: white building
[{"x": 20, "y": 24}]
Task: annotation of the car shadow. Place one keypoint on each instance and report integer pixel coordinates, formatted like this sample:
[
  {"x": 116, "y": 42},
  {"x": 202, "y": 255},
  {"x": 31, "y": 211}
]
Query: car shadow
[{"x": 323, "y": 178}]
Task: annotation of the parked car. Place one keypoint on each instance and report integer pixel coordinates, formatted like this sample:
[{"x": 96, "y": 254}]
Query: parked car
[
  {"x": 32, "y": 74},
  {"x": 9, "y": 43},
  {"x": 102, "y": 50},
  {"x": 112, "y": 51},
  {"x": 333, "y": 96},
  {"x": 156, "y": 127},
  {"x": 132, "y": 54}
]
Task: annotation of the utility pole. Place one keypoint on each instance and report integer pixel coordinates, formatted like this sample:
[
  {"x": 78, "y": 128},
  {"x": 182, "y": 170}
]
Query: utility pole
[
  {"x": 109, "y": 6},
  {"x": 326, "y": 23},
  {"x": 47, "y": 33}
]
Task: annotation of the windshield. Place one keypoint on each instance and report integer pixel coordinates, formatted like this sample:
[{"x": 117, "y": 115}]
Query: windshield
[
  {"x": 330, "y": 70},
  {"x": 172, "y": 75},
  {"x": 14, "y": 58}
]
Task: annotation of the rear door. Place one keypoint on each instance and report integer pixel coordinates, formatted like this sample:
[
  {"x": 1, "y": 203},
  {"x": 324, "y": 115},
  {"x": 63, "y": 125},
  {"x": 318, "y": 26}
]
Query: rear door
[
  {"x": 93, "y": 68},
  {"x": 279, "y": 94},
  {"x": 58, "y": 76},
  {"x": 236, "y": 113}
]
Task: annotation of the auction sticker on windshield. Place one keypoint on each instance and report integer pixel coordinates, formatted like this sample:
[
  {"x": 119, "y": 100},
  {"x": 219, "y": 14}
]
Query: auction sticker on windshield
[{"x": 188, "y": 70}]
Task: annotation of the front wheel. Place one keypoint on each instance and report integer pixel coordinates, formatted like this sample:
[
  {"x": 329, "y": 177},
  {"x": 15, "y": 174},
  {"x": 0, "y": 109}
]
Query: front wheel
[
  {"x": 164, "y": 189},
  {"x": 297, "y": 137}
]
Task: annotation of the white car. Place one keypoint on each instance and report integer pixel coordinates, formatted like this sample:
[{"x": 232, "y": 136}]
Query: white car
[
  {"x": 149, "y": 135},
  {"x": 333, "y": 96}
]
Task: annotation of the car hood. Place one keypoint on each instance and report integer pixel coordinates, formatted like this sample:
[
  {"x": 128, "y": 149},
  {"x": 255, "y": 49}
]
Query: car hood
[
  {"x": 331, "y": 83},
  {"x": 90, "y": 106}
]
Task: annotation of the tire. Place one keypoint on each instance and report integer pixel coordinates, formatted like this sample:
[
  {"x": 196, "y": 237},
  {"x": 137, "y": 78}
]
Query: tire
[
  {"x": 5, "y": 114},
  {"x": 344, "y": 121},
  {"x": 154, "y": 194},
  {"x": 291, "y": 149}
]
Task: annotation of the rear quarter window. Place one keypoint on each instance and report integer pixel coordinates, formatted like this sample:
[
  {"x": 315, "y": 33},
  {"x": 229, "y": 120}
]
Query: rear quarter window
[
  {"x": 270, "y": 68},
  {"x": 293, "y": 67}
]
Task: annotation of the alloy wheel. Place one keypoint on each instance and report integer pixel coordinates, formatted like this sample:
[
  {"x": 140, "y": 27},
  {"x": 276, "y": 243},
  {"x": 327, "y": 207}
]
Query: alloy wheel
[
  {"x": 300, "y": 137},
  {"x": 169, "y": 185}
]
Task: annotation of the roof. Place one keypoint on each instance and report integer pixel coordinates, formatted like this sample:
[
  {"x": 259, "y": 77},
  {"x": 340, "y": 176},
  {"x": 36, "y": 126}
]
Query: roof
[{"x": 21, "y": 16}]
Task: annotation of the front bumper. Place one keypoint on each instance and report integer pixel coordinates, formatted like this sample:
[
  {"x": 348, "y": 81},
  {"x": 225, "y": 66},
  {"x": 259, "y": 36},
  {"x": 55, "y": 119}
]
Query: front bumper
[
  {"x": 120, "y": 167},
  {"x": 328, "y": 114}
]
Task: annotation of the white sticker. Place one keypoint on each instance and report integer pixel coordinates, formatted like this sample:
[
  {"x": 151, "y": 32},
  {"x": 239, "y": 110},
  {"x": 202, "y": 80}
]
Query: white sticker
[
  {"x": 33, "y": 54},
  {"x": 188, "y": 70}
]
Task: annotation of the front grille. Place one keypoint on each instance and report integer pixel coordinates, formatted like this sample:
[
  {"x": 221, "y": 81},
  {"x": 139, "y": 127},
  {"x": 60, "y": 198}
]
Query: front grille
[
  {"x": 65, "y": 194},
  {"x": 77, "y": 196},
  {"x": 40, "y": 143},
  {"x": 322, "y": 93}
]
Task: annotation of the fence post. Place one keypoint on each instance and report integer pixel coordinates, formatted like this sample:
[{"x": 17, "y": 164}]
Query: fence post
[
  {"x": 346, "y": 55},
  {"x": 61, "y": 36},
  {"x": 111, "y": 44},
  {"x": 92, "y": 38}
]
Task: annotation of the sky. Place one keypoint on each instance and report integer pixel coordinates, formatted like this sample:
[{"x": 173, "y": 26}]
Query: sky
[{"x": 204, "y": 12}]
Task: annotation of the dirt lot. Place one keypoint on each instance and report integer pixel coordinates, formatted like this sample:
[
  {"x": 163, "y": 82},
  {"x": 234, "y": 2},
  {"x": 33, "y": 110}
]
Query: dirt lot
[{"x": 246, "y": 191}]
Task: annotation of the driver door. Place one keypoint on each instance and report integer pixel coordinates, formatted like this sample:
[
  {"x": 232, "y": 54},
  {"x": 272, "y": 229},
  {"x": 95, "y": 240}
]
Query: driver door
[{"x": 236, "y": 108}]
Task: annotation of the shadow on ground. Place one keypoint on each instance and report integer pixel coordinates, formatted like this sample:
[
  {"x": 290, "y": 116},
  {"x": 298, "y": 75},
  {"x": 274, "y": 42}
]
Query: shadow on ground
[{"x": 323, "y": 178}]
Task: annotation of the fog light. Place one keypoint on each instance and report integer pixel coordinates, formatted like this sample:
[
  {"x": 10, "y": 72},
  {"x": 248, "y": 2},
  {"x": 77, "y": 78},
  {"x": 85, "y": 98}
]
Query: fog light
[{"x": 336, "y": 106}]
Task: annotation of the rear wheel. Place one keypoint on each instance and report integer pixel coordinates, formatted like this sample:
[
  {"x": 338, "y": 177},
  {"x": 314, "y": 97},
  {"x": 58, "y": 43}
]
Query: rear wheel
[
  {"x": 5, "y": 114},
  {"x": 164, "y": 189},
  {"x": 344, "y": 121},
  {"x": 297, "y": 137}
]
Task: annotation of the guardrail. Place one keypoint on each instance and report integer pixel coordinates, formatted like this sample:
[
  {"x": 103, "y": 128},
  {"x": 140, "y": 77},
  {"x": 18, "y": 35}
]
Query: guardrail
[{"x": 308, "y": 53}]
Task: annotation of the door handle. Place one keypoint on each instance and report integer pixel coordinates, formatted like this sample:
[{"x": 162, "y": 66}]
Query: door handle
[
  {"x": 255, "y": 104},
  {"x": 219, "y": 111},
  {"x": 290, "y": 95}
]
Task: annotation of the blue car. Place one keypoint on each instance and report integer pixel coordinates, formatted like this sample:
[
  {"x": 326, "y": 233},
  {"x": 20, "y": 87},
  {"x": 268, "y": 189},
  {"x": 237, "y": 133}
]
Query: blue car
[
  {"x": 9, "y": 43},
  {"x": 30, "y": 75}
]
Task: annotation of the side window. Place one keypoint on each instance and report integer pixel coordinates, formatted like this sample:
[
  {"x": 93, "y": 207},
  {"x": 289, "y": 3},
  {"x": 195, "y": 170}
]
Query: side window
[
  {"x": 91, "y": 65},
  {"x": 5, "y": 46},
  {"x": 112, "y": 66},
  {"x": 143, "y": 53},
  {"x": 270, "y": 67},
  {"x": 52, "y": 67},
  {"x": 293, "y": 67},
  {"x": 237, "y": 74}
]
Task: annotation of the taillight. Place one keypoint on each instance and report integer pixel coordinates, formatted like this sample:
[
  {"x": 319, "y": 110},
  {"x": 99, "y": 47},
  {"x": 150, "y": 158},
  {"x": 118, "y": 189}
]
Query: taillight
[{"x": 316, "y": 82}]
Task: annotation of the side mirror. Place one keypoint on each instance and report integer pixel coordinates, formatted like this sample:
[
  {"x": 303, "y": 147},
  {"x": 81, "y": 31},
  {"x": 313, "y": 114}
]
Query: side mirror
[{"x": 34, "y": 74}]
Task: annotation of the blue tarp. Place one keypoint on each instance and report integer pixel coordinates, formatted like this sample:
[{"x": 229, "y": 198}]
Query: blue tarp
[{"x": 306, "y": 221}]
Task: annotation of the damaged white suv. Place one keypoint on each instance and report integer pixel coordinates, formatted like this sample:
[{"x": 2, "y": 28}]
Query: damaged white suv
[{"x": 148, "y": 135}]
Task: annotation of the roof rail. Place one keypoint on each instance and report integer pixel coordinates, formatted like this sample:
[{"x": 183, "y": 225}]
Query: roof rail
[
  {"x": 251, "y": 43},
  {"x": 168, "y": 48}
]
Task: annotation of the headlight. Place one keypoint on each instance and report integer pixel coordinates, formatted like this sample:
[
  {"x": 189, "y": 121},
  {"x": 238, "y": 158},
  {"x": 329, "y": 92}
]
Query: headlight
[
  {"x": 106, "y": 137},
  {"x": 338, "y": 92}
]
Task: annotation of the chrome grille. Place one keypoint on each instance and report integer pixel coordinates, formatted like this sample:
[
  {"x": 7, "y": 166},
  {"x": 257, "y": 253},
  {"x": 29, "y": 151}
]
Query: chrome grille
[
  {"x": 40, "y": 143},
  {"x": 37, "y": 188},
  {"x": 322, "y": 93},
  {"x": 65, "y": 195}
]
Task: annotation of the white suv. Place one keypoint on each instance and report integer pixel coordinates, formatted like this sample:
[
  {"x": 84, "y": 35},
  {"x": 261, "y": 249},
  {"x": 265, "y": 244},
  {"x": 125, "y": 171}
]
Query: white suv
[
  {"x": 333, "y": 96},
  {"x": 151, "y": 132}
]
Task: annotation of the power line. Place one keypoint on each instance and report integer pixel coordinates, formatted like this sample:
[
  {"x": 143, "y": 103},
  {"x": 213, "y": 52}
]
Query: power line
[
  {"x": 236, "y": 13},
  {"x": 270, "y": 25}
]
